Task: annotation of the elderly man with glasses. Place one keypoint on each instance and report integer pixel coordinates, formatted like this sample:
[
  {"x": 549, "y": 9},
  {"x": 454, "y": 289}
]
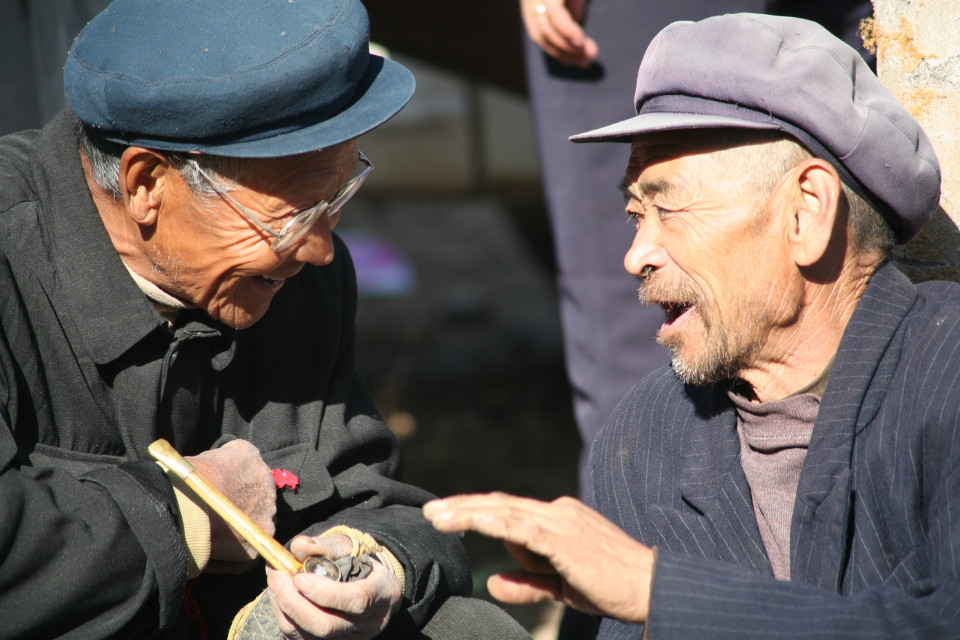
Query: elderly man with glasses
[{"x": 169, "y": 270}]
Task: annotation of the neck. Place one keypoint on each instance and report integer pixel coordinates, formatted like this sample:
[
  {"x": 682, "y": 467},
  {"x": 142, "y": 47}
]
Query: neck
[{"x": 798, "y": 350}]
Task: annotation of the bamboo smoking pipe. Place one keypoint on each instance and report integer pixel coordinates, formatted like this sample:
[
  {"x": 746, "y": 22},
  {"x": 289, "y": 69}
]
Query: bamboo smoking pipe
[{"x": 275, "y": 554}]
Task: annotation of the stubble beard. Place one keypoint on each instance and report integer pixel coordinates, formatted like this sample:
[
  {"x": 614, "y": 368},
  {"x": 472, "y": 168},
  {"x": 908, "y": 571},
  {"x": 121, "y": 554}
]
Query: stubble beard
[{"x": 724, "y": 350}]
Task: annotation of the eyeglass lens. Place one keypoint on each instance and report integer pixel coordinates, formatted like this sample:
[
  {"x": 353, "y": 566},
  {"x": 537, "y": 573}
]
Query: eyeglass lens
[{"x": 299, "y": 226}]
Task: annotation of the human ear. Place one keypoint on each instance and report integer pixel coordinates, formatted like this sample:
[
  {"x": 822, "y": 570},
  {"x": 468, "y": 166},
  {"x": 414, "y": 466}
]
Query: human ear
[
  {"x": 816, "y": 190},
  {"x": 143, "y": 176}
]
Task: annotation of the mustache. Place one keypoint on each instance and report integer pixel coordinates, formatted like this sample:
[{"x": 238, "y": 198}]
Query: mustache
[{"x": 654, "y": 290}]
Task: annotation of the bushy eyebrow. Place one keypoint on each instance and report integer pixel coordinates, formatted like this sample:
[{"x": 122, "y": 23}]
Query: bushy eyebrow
[
  {"x": 647, "y": 188},
  {"x": 653, "y": 187}
]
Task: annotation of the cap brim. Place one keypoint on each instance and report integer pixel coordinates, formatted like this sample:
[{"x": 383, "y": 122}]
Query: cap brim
[
  {"x": 383, "y": 90},
  {"x": 626, "y": 130}
]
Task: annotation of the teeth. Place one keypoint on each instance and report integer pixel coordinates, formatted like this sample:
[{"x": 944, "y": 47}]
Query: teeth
[
  {"x": 271, "y": 280},
  {"x": 674, "y": 309}
]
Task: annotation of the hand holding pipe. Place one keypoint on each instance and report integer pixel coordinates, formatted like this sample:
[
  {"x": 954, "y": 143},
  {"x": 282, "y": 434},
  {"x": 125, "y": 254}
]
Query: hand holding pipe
[{"x": 275, "y": 554}]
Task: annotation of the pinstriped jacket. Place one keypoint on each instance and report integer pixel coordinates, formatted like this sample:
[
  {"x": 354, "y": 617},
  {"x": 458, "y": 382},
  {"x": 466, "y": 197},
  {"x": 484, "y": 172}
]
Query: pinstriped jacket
[{"x": 875, "y": 535}]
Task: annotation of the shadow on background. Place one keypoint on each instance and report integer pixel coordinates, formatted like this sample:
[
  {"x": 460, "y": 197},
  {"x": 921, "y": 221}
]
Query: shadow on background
[{"x": 459, "y": 342}]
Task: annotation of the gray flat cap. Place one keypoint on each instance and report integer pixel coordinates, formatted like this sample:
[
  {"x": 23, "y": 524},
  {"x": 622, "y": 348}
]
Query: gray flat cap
[{"x": 762, "y": 72}]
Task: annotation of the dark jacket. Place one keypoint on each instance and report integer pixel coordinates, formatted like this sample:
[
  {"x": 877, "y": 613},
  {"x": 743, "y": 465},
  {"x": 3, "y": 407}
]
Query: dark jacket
[
  {"x": 875, "y": 537},
  {"x": 89, "y": 376}
]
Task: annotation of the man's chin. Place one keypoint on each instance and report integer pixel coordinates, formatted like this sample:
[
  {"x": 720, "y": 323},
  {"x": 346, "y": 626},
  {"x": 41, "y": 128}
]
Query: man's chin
[
  {"x": 240, "y": 318},
  {"x": 691, "y": 369},
  {"x": 706, "y": 370},
  {"x": 689, "y": 373}
]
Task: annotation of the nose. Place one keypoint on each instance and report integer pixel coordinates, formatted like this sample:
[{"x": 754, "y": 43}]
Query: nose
[
  {"x": 646, "y": 254},
  {"x": 316, "y": 247}
]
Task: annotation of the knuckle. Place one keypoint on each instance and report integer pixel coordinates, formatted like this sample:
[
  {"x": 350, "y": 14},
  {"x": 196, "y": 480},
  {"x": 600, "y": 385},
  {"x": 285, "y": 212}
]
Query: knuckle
[
  {"x": 518, "y": 525},
  {"x": 566, "y": 502},
  {"x": 367, "y": 600}
]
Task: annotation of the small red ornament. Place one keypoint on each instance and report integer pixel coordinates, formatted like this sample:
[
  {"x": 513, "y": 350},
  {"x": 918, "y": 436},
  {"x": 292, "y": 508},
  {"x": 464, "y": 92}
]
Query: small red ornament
[{"x": 285, "y": 479}]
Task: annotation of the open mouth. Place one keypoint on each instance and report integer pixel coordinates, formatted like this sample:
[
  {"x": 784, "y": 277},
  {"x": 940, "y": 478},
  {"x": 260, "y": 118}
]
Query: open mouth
[
  {"x": 674, "y": 310},
  {"x": 271, "y": 281}
]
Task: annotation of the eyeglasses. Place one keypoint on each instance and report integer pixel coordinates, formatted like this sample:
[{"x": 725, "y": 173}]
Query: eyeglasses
[{"x": 294, "y": 230}]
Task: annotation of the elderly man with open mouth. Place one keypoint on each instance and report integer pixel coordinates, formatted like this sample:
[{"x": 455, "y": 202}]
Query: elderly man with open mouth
[{"x": 794, "y": 472}]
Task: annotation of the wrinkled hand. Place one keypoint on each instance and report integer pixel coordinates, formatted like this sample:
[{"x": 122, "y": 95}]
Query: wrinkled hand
[
  {"x": 240, "y": 473},
  {"x": 557, "y": 30},
  {"x": 566, "y": 551},
  {"x": 310, "y": 606}
]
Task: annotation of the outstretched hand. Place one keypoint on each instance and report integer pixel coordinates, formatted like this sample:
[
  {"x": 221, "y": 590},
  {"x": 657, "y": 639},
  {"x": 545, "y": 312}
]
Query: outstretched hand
[
  {"x": 554, "y": 25},
  {"x": 309, "y": 606},
  {"x": 566, "y": 551}
]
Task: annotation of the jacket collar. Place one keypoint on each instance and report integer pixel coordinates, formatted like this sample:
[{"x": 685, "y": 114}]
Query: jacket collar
[
  {"x": 110, "y": 311},
  {"x": 711, "y": 477},
  {"x": 711, "y": 480},
  {"x": 821, "y": 517}
]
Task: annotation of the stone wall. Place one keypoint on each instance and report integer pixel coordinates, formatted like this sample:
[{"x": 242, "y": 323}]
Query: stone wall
[{"x": 918, "y": 58}]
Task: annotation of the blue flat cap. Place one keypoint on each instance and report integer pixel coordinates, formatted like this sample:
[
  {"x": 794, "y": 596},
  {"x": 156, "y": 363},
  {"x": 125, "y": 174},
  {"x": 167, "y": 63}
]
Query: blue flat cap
[
  {"x": 762, "y": 72},
  {"x": 241, "y": 78}
]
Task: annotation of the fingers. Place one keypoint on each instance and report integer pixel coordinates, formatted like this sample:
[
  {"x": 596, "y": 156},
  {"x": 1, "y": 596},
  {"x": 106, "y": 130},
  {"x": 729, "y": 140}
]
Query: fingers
[
  {"x": 520, "y": 587},
  {"x": 325, "y": 607},
  {"x": 351, "y": 598},
  {"x": 334, "y": 546},
  {"x": 560, "y": 546},
  {"x": 554, "y": 29},
  {"x": 297, "y": 616},
  {"x": 528, "y": 560},
  {"x": 304, "y": 592},
  {"x": 508, "y": 518},
  {"x": 238, "y": 471}
]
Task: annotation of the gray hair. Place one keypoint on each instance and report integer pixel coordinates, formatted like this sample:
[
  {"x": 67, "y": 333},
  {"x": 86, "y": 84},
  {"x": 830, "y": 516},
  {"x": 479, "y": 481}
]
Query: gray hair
[
  {"x": 104, "y": 157},
  {"x": 872, "y": 232},
  {"x": 769, "y": 155}
]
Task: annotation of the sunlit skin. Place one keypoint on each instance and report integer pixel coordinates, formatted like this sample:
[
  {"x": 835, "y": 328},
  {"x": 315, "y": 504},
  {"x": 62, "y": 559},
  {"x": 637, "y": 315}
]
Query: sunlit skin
[
  {"x": 757, "y": 283},
  {"x": 309, "y": 607},
  {"x": 200, "y": 250},
  {"x": 565, "y": 550},
  {"x": 753, "y": 283},
  {"x": 558, "y": 30}
]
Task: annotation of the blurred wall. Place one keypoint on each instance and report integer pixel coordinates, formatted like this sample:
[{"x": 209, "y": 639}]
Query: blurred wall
[{"x": 457, "y": 135}]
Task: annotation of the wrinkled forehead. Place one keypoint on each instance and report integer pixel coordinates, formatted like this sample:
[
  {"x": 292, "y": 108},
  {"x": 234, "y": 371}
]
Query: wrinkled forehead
[
  {"x": 307, "y": 170},
  {"x": 666, "y": 144},
  {"x": 670, "y": 155},
  {"x": 696, "y": 149},
  {"x": 644, "y": 153}
]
